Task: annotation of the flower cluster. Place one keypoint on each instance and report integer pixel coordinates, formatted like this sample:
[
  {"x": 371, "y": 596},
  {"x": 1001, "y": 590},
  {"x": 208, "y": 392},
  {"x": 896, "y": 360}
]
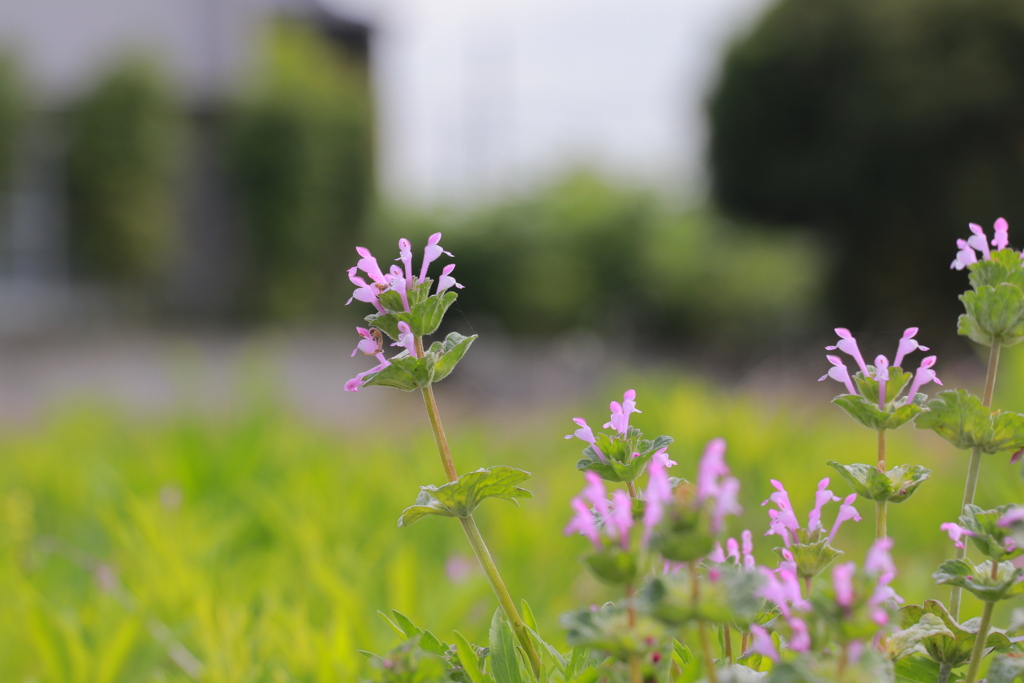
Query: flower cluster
[
  {"x": 880, "y": 371},
  {"x": 967, "y": 250},
  {"x": 401, "y": 281},
  {"x": 784, "y": 522},
  {"x": 608, "y": 521}
]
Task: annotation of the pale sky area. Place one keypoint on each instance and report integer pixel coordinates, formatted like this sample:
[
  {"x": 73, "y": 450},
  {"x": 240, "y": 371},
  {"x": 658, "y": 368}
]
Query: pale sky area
[{"x": 480, "y": 99}]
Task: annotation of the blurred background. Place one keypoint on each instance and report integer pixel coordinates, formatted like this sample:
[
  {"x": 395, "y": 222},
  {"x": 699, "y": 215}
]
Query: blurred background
[{"x": 680, "y": 197}]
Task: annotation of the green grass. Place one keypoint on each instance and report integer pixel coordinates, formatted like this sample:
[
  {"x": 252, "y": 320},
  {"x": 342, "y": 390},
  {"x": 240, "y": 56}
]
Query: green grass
[{"x": 263, "y": 546}]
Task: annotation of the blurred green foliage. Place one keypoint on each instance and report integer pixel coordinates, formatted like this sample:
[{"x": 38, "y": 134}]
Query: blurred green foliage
[
  {"x": 12, "y": 114},
  {"x": 586, "y": 253},
  {"x": 123, "y": 165},
  {"x": 301, "y": 148},
  {"x": 885, "y": 125},
  {"x": 259, "y": 548}
]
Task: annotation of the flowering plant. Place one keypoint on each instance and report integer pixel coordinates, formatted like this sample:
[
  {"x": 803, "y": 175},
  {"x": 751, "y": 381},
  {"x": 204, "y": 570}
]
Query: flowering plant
[{"x": 662, "y": 544}]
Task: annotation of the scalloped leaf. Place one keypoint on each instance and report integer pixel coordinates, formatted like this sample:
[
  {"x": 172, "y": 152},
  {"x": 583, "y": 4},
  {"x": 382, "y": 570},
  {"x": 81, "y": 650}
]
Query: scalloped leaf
[
  {"x": 447, "y": 354},
  {"x": 616, "y": 462},
  {"x": 405, "y": 372},
  {"x": 959, "y": 417},
  {"x": 994, "y": 314},
  {"x": 1004, "y": 266},
  {"x": 460, "y": 498},
  {"x": 894, "y": 486},
  {"x": 906, "y": 642},
  {"x": 988, "y": 535},
  {"x": 866, "y": 411},
  {"x": 977, "y": 579},
  {"x": 728, "y": 600},
  {"x": 423, "y": 317},
  {"x": 954, "y": 648}
]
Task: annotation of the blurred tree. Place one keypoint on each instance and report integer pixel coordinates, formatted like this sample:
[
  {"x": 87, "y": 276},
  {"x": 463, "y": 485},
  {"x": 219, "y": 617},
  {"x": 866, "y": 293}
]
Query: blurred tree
[
  {"x": 12, "y": 111},
  {"x": 302, "y": 153},
  {"x": 123, "y": 166},
  {"x": 587, "y": 254},
  {"x": 886, "y": 125}
]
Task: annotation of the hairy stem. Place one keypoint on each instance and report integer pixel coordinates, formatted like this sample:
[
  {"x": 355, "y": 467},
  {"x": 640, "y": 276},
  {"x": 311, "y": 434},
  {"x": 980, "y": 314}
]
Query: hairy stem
[
  {"x": 971, "y": 486},
  {"x": 483, "y": 555},
  {"x": 635, "y": 672},
  {"x": 702, "y": 630},
  {"x": 632, "y": 489},
  {"x": 944, "y": 671},
  {"x": 881, "y": 505}
]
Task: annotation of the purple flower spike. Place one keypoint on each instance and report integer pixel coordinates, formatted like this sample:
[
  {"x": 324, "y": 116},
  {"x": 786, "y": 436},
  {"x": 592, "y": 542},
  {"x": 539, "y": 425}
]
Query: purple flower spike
[
  {"x": 882, "y": 376},
  {"x": 979, "y": 241},
  {"x": 846, "y": 511},
  {"x": 446, "y": 280},
  {"x": 585, "y": 433},
  {"x": 822, "y": 496},
  {"x": 848, "y": 345},
  {"x": 907, "y": 345},
  {"x": 711, "y": 468},
  {"x": 431, "y": 253},
  {"x": 965, "y": 256},
  {"x": 842, "y": 582},
  {"x": 839, "y": 373},
  {"x": 405, "y": 256},
  {"x": 583, "y": 523},
  {"x": 923, "y": 375},
  {"x": 1001, "y": 240},
  {"x": 956, "y": 532},
  {"x": 726, "y": 503}
]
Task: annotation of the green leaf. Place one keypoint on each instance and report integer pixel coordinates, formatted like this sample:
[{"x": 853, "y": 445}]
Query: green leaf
[
  {"x": 812, "y": 554},
  {"x": 614, "y": 565},
  {"x": 895, "y": 486},
  {"x": 394, "y": 627},
  {"x": 468, "y": 658},
  {"x": 977, "y": 579},
  {"x": 1006, "y": 668},
  {"x": 423, "y": 317},
  {"x": 459, "y": 498},
  {"x": 504, "y": 657},
  {"x": 608, "y": 629},
  {"x": 917, "y": 669},
  {"x": 1004, "y": 266},
  {"x": 448, "y": 354},
  {"x": 729, "y": 600},
  {"x": 616, "y": 461},
  {"x": 988, "y": 535},
  {"x": 866, "y": 411},
  {"x": 994, "y": 314},
  {"x": 959, "y": 417},
  {"x": 405, "y": 372},
  {"x": 954, "y": 649},
  {"x": 907, "y": 641}
]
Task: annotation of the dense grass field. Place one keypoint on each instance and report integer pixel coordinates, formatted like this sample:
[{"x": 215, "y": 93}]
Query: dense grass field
[{"x": 259, "y": 548}]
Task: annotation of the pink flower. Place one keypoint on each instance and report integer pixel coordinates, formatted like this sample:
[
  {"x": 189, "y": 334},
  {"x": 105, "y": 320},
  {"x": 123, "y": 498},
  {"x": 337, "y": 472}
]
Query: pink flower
[
  {"x": 907, "y": 345},
  {"x": 659, "y": 493},
  {"x": 839, "y": 373},
  {"x": 714, "y": 482},
  {"x": 431, "y": 253},
  {"x": 717, "y": 555},
  {"x": 371, "y": 344},
  {"x": 400, "y": 285},
  {"x": 956, "y": 532},
  {"x": 801, "y": 640},
  {"x": 842, "y": 582},
  {"x": 405, "y": 256},
  {"x": 846, "y": 511},
  {"x": 406, "y": 339},
  {"x": 848, "y": 345},
  {"x": 620, "y": 413},
  {"x": 965, "y": 256},
  {"x": 356, "y": 382},
  {"x": 979, "y": 241},
  {"x": 1001, "y": 240},
  {"x": 822, "y": 496},
  {"x": 784, "y": 519},
  {"x": 583, "y": 523},
  {"x": 878, "y": 560},
  {"x": 1012, "y": 516},
  {"x": 747, "y": 550},
  {"x": 621, "y": 519},
  {"x": 446, "y": 280},
  {"x": 661, "y": 455},
  {"x": 923, "y": 375},
  {"x": 364, "y": 292},
  {"x": 882, "y": 376},
  {"x": 586, "y": 434},
  {"x": 763, "y": 643},
  {"x": 368, "y": 264}
]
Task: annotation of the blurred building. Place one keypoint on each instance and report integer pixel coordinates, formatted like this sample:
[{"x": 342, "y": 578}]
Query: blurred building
[{"x": 62, "y": 47}]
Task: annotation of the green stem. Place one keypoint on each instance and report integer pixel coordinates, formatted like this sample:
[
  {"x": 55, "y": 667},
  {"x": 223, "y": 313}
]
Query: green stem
[
  {"x": 979, "y": 643},
  {"x": 971, "y": 486},
  {"x": 880, "y": 506},
  {"x": 944, "y": 671},
  {"x": 498, "y": 586},
  {"x": 705, "y": 645},
  {"x": 635, "y": 671},
  {"x": 727, "y": 642},
  {"x": 632, "y": 489},
  {"x": 483, "y": 555}
]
